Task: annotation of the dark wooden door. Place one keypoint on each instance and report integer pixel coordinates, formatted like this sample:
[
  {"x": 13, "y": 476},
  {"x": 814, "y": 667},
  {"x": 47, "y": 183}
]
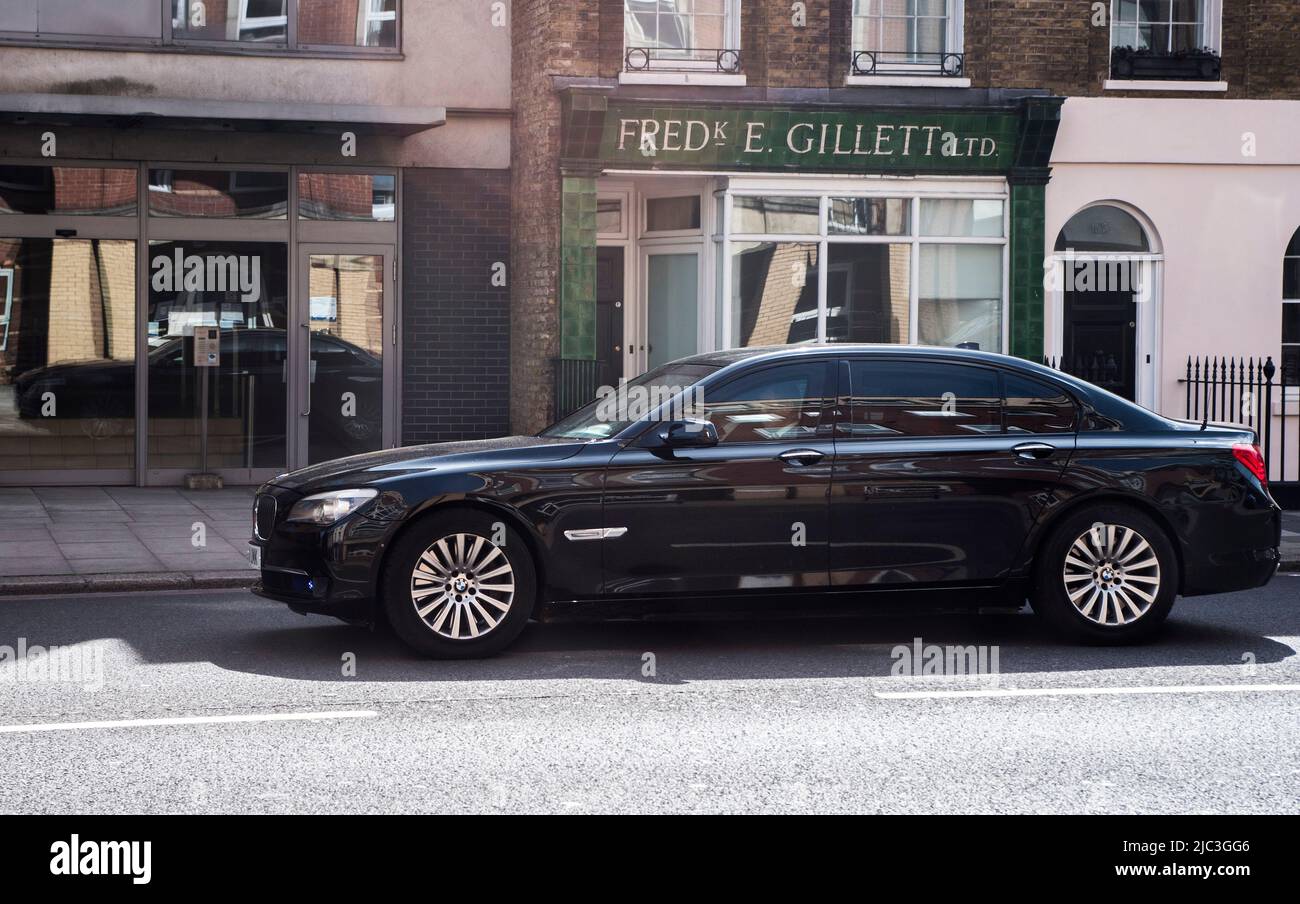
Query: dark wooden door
[
  {"x": 609, "y": 315},
  {"x": 1100, "y": 338}
]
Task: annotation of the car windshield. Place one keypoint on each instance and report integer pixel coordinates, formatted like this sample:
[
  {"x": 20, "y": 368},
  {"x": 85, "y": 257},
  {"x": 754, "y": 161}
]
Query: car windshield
[{"x": 617, "y": 408}]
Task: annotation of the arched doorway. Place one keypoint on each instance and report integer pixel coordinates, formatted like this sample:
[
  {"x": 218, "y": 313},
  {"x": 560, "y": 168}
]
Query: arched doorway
[{"x": 1106, "y": 262}]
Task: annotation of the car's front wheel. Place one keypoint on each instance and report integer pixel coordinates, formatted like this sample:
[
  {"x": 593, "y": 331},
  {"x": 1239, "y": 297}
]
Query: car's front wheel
[
  {"x": 459, "y": 585},
  {"x": 1108, "y": 574}
]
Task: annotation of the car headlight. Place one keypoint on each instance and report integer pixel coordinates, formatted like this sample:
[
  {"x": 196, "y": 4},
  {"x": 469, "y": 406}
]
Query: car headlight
[{"x": 328, "y": 508}]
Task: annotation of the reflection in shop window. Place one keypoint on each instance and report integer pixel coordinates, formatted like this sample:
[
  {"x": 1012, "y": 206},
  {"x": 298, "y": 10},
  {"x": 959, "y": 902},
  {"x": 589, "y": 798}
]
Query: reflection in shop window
[
  {"x": 357, "y": 23},
  {"x": 776, "y": 216},
  {"x": 67, "y": 368},
  {"x": 870, "y": 216},
  {"x": 68, "y": 190},
  {"x": 672, "y": 214},
  {"x": 774, "y": 293},
  {"x": 241, "y": 288},
  {"x": 868, "y": 293},
  {"x": 253, "y": 21},
  {"x": 259, "y": 195},
  {"x": 960, "y": 303},
  {"x": 347, "y": 196}
]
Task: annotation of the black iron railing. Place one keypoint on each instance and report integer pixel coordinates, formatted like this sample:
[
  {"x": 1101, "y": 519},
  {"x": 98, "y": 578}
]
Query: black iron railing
[
  {"x": 681, "y": 59},
  {"x": 904, "y": 62},
  {"x": 1184, "y": 65},
  {"x": 576, "y": 383}
]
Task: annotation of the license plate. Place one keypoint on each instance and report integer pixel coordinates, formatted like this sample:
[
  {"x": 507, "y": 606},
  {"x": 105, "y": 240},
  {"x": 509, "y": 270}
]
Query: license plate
[{"x": 255, "y": 555}]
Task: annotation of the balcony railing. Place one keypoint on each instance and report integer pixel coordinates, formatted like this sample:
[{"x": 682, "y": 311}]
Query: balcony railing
[
  {"x": 906, "y": 62},
  {"x": 681, "y": 59}
]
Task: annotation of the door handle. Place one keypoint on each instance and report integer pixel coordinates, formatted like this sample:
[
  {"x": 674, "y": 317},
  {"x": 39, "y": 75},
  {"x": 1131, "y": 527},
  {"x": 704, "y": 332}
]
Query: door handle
[
  {"x": 306, "y": 327},
  {"x": 1034, "y": 450},
  {"x": 802, "y": 456}
]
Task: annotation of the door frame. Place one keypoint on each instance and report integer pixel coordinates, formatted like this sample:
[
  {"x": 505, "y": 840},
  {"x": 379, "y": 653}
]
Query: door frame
[
  {"x": 1147, "y": 338},
  {"x": 299, "y": 358}
]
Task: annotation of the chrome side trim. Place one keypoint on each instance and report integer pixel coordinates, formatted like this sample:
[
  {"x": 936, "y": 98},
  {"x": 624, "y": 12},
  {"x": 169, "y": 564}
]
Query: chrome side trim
[{"x": 595, "y": 533}]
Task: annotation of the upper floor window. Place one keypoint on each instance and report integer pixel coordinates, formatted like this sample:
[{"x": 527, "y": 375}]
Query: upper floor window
[
  {"x": 907, "y": 37},
  {"x": 668, "y": 35},
  {"x": 324, "y": 25},
  {"x": 1291, "y": 313},
  {"x": 1165, "y": 39}
]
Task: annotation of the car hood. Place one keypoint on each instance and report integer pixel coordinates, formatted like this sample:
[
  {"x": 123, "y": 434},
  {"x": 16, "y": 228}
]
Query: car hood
[{"x": 375, "y": 467}]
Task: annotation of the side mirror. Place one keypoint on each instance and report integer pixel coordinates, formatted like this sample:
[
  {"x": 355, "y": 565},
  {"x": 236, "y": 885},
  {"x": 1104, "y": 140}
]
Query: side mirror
[{"x": 687, "y": 434}]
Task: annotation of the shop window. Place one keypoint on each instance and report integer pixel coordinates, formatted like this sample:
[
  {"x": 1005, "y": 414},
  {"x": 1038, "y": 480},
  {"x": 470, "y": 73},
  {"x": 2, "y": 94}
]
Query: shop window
[
  {"x": 67, "y": 364},
  {"x": 775, "y": 404},
  {"x": 960, "y": 299},
  {"x": 921, "y": 398},
  {"x": 961, "y": 217},
  {"x": 222, "y": 194},
  {"x": 83, "y": 18},
  {"x": 347, "y": 196},
  {"x": 680, "y": 214},
  {"x": 776, "y": 216},
  {"x": 1291, "y": 313},
  {"x": 668, "y": 35},
  {"x": 907, "y": 37},
  {"x": 870, "y": 216},
  {"x": 774, "y": 289},
  {"x": 1165, "y": 39},
  {"x": 68, "y": 190},
  {"x": 868, "y": 293}
]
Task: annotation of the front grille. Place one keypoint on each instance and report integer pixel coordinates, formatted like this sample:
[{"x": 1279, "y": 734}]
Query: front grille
[{"x": 264, "y": 517}]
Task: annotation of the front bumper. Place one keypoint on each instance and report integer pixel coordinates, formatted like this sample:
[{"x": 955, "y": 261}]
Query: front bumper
[{"x": 330, "y": 570}]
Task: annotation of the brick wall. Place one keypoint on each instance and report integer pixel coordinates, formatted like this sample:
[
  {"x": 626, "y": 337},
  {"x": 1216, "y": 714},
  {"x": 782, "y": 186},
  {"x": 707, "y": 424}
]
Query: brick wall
[{"x": 457, "y": 325}]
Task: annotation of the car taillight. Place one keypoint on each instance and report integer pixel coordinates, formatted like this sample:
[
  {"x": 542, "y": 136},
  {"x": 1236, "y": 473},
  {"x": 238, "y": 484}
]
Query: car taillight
[{"x": 1250, "y": 456}]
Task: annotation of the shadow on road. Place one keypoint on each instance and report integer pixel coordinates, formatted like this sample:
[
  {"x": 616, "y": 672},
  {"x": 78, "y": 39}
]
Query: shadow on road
[{"x": 238, "y": 632}]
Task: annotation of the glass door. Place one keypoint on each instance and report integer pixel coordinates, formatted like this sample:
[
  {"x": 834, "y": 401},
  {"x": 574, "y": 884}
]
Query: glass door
[
  {"x": 344, "y": 352},
  {"x": 672, "y": 311}
]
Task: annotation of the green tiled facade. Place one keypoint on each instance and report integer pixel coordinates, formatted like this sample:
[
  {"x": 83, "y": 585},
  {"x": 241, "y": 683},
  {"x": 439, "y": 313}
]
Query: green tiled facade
[
  {"x": 1014, "y": 141},
  {"x": 578, "y": 267},
  {"x": 1028, "y": 213}
]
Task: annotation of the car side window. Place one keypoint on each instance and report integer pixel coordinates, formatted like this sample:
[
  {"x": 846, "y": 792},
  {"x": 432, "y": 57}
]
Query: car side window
[
  {"x": 775, "y": 404},
  {"x": 896, "y": 398},
  {"x": 1033, "y": 406}
]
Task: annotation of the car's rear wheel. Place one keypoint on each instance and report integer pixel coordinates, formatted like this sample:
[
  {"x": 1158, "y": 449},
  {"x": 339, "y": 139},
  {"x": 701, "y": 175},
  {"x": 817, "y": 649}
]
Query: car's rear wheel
[
  {"x": 459, "y": 585},
  {"x": 1108, "y": 574}
]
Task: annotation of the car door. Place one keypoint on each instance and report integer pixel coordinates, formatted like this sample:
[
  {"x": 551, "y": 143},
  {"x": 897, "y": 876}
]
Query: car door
[
  {"x": 750, "y": 513},
  {"x": 941, "y": 469}
]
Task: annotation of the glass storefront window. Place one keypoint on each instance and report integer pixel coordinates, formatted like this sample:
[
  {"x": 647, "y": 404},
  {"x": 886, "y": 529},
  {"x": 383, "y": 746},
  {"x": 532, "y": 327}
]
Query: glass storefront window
[
  {"x": 255, "y": 21},
  {"x": 222, "y": 194},
  {"x": 774, "y": 292},
  {"x": 776, "y": 216},
  {"x": 868, "y": 293},
  {"x": 961, "y": 217},
  {"x": 68, "y": 190},
  {"x": 960, "y": 296},
  {"x": 242, "y": 288},
  {"x": 354, "y": 23},
  {"x": 347, "y": 196},
  {"x": 870, "y": 216},
  {"x": 67, "y": 365},
  {"x": 672, "y": 214}
]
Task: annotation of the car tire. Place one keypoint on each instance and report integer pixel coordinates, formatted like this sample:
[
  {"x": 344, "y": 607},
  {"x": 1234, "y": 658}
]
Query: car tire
[
  {"x": 1107, "y": 575},
  {"x": 443, "y": 585}
]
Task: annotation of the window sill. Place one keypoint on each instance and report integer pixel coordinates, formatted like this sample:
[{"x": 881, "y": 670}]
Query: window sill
[
  {"x": 1112, "y": 84},
  {"x": 724, "y": 79},
  {"x": 907, "y": 81}
]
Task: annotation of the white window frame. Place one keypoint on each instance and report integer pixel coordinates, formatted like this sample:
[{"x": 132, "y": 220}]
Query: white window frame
[
  {"x": 930, "y": 189},
  {"x": 929, "y": 74},
  {"x": 731, "y": 27},
  {"x": 1211, "y": 13},
  {"x": 1293, "y": 391}
]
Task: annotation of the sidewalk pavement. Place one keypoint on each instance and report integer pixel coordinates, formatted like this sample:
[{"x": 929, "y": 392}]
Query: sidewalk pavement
[
  {"x": 74, "y": 539},
  {"x": 77, "y": 539}
]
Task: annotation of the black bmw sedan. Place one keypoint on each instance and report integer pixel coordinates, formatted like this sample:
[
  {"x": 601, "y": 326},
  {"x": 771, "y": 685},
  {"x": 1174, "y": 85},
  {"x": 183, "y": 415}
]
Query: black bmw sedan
[{"x": 802, "y": 475}]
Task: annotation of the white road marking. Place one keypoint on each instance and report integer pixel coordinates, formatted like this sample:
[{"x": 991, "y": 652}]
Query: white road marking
[
  {"x": 188, "y": 720},
  {"x": 1093, "y": 691}
]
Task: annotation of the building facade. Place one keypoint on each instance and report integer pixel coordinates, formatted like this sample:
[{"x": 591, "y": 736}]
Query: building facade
[
  {"x": 324, "y": 182},
  {"x": 948, "y": 172}
]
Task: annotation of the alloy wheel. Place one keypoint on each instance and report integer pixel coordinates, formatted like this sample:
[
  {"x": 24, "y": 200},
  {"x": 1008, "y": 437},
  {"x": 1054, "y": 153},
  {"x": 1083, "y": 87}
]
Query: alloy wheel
[
  {"x": 462, "y": 586},
  {"x": 1111, "y": 575}
]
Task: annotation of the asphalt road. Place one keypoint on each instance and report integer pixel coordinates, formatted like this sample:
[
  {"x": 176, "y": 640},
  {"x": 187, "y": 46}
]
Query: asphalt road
[{"x": 766, "y": 716}]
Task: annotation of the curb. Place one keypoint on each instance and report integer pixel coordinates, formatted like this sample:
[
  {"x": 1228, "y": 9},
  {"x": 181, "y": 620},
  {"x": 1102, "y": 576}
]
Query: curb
[{"x": 116, "y": 583}]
